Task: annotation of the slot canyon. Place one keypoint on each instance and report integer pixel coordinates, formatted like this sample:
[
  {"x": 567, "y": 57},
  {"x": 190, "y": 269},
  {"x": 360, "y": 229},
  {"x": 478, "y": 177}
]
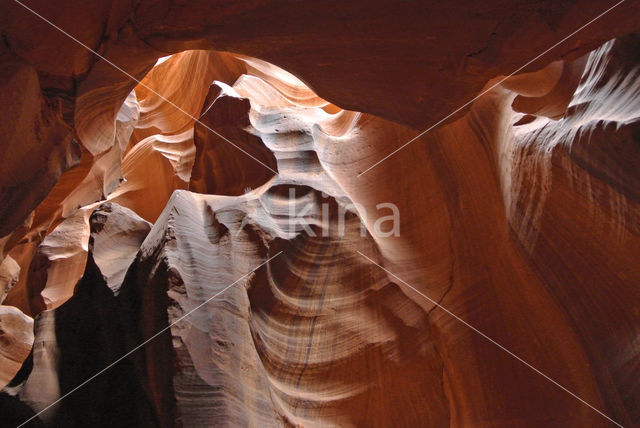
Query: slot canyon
[{"x": 319, "y": 213}]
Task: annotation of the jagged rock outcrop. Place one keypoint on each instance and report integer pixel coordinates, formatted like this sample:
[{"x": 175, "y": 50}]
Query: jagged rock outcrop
[
  {"x": 116, "y": 236},
  {"x": 86, "y": 333}
]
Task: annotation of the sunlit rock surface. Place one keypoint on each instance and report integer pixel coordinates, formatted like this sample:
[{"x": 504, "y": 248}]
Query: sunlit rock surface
[
  {"x": 116, "y": 235},
  {"x": 16, "y": 338},
  {"x": 215, "y": 228},
  {"x": 42, "y": 388}
]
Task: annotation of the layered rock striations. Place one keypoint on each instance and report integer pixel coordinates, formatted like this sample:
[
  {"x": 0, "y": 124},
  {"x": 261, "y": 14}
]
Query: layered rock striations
[{"x": 220, "y": 245}]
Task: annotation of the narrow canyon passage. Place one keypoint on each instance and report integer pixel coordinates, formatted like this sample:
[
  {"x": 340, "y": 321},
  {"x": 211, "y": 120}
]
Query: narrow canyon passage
[{"x": 218, "y": 244}]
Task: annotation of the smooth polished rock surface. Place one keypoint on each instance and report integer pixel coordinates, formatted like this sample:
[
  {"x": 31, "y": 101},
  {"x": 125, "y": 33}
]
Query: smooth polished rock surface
[{"x": 228, "y": 226}]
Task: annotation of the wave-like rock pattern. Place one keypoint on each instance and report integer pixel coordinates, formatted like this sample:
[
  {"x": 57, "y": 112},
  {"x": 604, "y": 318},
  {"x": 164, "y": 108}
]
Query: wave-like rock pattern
[
  {"x": 296, "y": 338},
  {"x": 352, "y": 346},
  {"x": 587, "y": 163},
  {"x": 520, "y": 217}
]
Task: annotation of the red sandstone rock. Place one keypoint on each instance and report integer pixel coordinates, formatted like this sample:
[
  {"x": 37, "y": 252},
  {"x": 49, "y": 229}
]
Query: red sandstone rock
[
  {"x": 16, "y": 340},
  {"x": 519, "y": 213}
]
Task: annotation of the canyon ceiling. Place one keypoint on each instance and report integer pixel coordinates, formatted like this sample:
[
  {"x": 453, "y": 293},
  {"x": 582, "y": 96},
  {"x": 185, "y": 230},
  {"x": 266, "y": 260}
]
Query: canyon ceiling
[{"x": 336, "y": 213}]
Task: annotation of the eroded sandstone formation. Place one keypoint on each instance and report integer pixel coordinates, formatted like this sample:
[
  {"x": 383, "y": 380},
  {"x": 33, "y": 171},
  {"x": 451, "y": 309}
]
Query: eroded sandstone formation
[{"x": 217, "y": 244}]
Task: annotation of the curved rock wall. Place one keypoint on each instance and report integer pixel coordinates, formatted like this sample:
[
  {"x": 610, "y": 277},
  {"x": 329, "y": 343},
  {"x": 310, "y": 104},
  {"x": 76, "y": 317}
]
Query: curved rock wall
[{"x": 506, "y": 238}]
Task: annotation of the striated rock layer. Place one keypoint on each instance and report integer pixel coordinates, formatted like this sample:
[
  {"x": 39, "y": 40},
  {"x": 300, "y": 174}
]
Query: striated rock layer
[{"x": 226, "y": 236}]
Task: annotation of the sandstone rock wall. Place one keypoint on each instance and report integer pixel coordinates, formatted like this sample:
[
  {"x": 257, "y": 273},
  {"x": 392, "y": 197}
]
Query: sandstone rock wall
[{"x": 139, "y": 212}]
